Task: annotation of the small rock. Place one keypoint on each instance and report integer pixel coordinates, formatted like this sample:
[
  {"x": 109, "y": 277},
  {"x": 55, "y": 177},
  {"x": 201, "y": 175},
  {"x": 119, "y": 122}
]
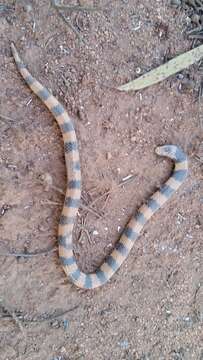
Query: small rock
[
  {"x": 65, "y": 324},
  {"x": 133, "y": 139},
  {"x": 63, "y": 350},
  {"x": 175, "y": 3},
  {"x": 108, "y": 156},
  {"x": 196, "y": 19},
  {"x": 46, "y": 180},
  {"x": 124, "y": 344},
  {"x": 55, "y": 324}
]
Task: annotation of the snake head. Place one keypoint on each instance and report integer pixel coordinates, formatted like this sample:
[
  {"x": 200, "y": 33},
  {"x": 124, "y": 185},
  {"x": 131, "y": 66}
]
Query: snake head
[{"x": 171, "y": 151}]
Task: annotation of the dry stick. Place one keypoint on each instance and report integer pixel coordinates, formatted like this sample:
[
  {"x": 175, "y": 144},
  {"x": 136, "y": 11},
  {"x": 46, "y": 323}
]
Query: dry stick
[
  {"x": 82, "y": 206},
  {"x": 85, "y": 207},
  {"x": 49, "y": 202},
  {"x": 54, "y": 248},
  {"x": 111, "y": 190},
  {"x": 200, "y": 101},
  {"x": 48, "y": 318},
  {"x": 91, "y": 210},
  {"x": 57, "y": 189},
  {"x": 83, "y": 229},
  {"x": 72, "y": 8},
  {"x": 106, "y": 201},
  {"x": 51, "y": 38},
  {"x": 68, "y": 22},
  {"x": 31, "y": 254},
  {"x": 5, "y": 117},
  {"x": 198, "y": 6},
  {"x": 14, "y": 318},
  {"x": 81, "y": 226},
  {"x": 6, "y": 9}
]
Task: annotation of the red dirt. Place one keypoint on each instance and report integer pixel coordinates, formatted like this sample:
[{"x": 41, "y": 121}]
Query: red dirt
[{"x": 151, "y": 308}]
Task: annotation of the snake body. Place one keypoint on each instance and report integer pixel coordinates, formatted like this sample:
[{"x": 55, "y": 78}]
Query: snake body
[{"x": 73, "y": 193}]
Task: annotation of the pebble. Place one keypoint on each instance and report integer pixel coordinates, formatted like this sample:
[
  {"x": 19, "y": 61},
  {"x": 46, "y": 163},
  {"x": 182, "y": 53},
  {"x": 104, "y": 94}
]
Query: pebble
[
  {"x": 108, "y": 156},
  {"x": 133, "y": 139},
  {"x": 28, "y": 8},
  {"x": 47, "y": 179},
  {"x": 180, "y": 219},
  {"x": 65, "y": 324},
  {"x": 188, "y": 236},
  {"x": 175, "y": 3},
  {"x": 63, "y": 350},
  {"x": 196, "y": 19},
  {"x": 55, "y": 324},
  {"x": 123, "y": 344}
]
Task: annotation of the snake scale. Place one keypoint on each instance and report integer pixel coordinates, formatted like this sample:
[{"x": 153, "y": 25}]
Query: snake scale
[{"x": 73, "y": 193}]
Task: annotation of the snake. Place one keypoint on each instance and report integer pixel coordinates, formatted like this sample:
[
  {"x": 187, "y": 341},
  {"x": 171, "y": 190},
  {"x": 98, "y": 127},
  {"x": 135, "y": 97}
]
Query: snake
[{"x": 73, "y": 193}]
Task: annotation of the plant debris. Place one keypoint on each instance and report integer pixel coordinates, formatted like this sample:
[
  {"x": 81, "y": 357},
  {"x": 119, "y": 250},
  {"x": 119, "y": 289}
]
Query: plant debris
[{"x": 164, "y": 71}]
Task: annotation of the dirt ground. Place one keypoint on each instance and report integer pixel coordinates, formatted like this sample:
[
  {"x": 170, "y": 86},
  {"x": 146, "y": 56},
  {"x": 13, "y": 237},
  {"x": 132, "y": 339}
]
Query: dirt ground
[{"x": 152, "y": 307}]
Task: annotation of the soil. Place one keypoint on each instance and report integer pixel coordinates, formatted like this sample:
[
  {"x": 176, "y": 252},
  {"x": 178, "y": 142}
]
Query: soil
[{"x": 152, "y": 307}]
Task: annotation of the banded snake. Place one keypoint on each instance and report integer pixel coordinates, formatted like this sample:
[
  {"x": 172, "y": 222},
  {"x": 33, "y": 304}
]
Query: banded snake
[{"x": 73, "y": 193}]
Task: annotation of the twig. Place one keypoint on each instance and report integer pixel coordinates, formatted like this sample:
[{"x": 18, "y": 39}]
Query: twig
[
  {"x": 13, "y": 316},
  {"x": 49, "y": 202},
  {"x": 72, "y": 8},
  {"x": 123, "y": 182},
  {"x": 48, "y": 182},
  {"x": 82, "y": 206},
  {"x": 4, "y": 209},
  {"x": 58, "y": 189},
  {"x": 69, "y": 23},
  {"x": 83, "y": 229},
  {"x": 6, "y": 9},
  {"x": 5, "y": 117},
  {"x": 39, "y": 318},
  {"x": 31, "y": 254},
  {"x": 200, "y": 100},
  {"x": 127, "y": 180},
  {"x": 101, "y": 197},
  {"x": 91, "y": 210},
  {"x": 51, "y": 38}
]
